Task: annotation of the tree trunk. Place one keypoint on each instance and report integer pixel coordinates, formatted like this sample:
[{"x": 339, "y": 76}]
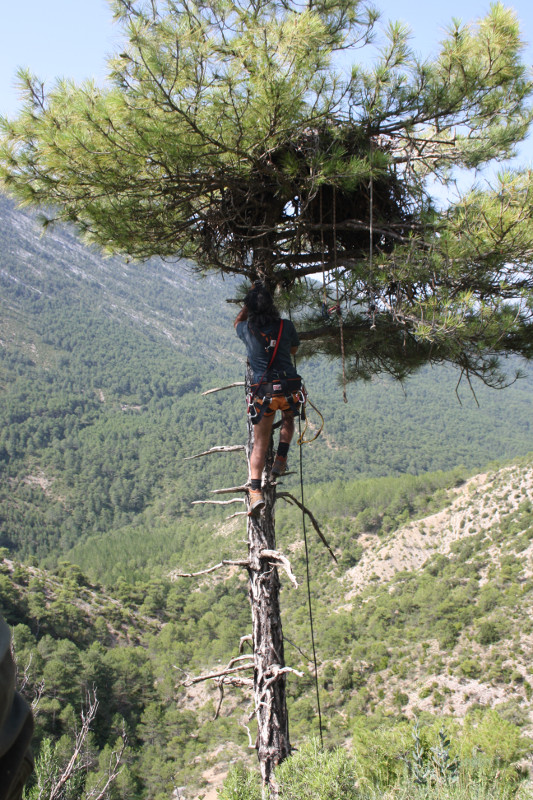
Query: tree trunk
[{"x": 269, "y": 660}]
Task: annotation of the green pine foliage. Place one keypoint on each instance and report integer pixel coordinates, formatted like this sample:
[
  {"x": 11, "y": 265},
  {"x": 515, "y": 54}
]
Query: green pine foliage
[{"x": 227, "y": 135}]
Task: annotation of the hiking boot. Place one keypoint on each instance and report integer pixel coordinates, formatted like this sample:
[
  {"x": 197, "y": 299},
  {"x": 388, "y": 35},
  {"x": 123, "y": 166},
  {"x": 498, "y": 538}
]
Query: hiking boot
[
  {"x": 256, "y": 501},
  {"x": 279, "y": 467}
]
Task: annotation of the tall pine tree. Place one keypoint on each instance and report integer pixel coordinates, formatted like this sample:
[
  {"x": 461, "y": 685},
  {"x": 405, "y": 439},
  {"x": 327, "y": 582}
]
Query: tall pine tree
[{"x": 228, "y": 136}]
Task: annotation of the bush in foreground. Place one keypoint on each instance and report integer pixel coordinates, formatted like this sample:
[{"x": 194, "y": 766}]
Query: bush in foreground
[{"x": 430, "y": 767}]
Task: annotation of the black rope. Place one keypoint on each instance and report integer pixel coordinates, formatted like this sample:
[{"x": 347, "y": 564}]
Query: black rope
[{"x": 308, "y": 577}]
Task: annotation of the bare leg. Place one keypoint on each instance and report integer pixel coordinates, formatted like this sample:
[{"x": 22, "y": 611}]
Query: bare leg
[
  {"x": 262, "y": 434},
  {"x": 287, "y": 427}
]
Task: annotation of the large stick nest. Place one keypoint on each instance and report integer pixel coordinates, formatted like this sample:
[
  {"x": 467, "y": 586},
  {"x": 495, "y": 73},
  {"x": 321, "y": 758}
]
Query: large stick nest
[{"x": 292, "y": 209}]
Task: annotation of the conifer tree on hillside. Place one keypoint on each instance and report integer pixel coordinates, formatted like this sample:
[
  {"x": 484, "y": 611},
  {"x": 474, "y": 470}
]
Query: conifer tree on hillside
[{"x": 229, "y": 136}]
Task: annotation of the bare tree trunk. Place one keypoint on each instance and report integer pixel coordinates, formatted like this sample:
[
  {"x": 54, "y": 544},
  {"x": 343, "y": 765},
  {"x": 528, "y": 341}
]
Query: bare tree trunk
[
  {"x": 269, "y": 661},
  {"x": 270, "y": 673}
]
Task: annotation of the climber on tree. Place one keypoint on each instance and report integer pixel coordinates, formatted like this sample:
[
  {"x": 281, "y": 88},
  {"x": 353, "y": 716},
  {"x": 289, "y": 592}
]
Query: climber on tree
[{"x": 270, "y": 343}]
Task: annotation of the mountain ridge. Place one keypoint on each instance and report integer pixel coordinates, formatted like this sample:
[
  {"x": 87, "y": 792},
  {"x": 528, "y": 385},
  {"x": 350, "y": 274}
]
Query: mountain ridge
[{"x": 102, "y": 366}]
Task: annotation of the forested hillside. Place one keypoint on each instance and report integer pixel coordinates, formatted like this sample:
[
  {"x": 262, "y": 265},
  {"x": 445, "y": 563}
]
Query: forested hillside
[
  {"x": 428, "y": 615},
  {"x": 102, "y": 368}
]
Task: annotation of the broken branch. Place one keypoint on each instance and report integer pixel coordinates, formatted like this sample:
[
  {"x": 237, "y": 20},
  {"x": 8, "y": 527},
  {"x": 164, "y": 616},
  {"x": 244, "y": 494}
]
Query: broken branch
[
  {"x": 220, "y": 699},
  {"x": 242, "y": 488},
  {"x": 220, "y": 674},
  {"x": 283, "y": 561},
  {"x": 225, "y": 563},
  {"x": 251, "y": 745},
  {"x": 291, "y": 499},
  {"x": 217, "y": 502},
  {"x": 220, "y": 449},
  {"x": 238, "y": 680},
  {"x": 222, "y": 388}
]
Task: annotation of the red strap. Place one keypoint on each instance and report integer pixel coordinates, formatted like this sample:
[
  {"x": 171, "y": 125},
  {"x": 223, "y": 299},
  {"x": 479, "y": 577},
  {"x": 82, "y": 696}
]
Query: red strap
[
  {"x": 253, "y": 394},
  {"x": 277, "y": 345}
]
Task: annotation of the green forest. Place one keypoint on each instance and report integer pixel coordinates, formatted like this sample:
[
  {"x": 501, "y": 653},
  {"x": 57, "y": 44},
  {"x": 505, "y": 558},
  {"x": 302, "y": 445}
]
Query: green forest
[
  {"x": 388, "y": 657},
  {"x": 103, "y": 365}
]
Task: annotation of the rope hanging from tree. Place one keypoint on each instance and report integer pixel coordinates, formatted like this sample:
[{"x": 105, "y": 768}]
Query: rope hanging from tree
[
  {"x": 309, "y": 603},
  {"x": 372, "y": 304},
  {"x": 341, "y": 328}
]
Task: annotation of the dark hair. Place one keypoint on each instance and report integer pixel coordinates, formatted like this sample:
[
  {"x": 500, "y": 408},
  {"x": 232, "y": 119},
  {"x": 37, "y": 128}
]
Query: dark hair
[{"x": 260, "y": 305}]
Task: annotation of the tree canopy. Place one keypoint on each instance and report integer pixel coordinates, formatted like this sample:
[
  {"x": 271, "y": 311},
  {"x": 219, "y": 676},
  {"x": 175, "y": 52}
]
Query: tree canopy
[{"x": 229, "y": 134}]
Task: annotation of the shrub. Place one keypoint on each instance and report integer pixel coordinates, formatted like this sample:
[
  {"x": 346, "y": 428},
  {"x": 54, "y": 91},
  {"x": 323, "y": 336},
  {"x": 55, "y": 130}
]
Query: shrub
[
  {"x": 309, "y": 774},
  {"x": 470, "y": 668},
  {"x": 316, "y": 774},
  {"x": 490, "y": 631},
  {"x": 241, "y": 784}
]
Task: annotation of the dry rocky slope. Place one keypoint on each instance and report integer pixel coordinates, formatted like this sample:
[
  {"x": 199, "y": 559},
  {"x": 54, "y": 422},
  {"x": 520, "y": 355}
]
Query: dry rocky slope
[
  {"x": 438, "y": 679},
  {"x": 477, "y": 506}
]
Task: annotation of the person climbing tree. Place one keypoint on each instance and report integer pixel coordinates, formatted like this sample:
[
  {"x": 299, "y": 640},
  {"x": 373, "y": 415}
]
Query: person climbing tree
[{"x": 270, "y": 342}]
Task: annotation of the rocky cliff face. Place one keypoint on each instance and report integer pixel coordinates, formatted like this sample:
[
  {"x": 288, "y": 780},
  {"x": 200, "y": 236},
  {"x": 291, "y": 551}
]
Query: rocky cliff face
[{"x": 165, "y": 299}]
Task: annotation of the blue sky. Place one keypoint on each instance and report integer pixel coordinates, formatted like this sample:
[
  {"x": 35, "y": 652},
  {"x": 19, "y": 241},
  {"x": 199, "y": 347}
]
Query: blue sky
[{"x": 72, "y": 38}]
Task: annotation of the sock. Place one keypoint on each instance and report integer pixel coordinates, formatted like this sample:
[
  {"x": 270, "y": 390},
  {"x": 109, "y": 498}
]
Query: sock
[
  {"x": 283, "y": 449},
  {"x": 255, "y": 483}
]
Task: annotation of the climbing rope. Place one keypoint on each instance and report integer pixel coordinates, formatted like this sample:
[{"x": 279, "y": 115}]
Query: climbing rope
[
  {"x": 308, "y": 581},
  {"x": 341, "y": 328},
  {"x": 301, "y": 438},
  {"x": 372, "y": 308},
  {"x": 323, "y": 249},
  {"x": 306, "y": 545}
]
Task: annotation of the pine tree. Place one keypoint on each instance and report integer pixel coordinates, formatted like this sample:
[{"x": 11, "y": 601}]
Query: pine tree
[{"x": 228, "y": 136}]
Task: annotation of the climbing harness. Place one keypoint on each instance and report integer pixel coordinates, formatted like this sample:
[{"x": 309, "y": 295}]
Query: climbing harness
[
  {"x": 279, "y": 391},
  {"x": 270, "y": 345}
]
